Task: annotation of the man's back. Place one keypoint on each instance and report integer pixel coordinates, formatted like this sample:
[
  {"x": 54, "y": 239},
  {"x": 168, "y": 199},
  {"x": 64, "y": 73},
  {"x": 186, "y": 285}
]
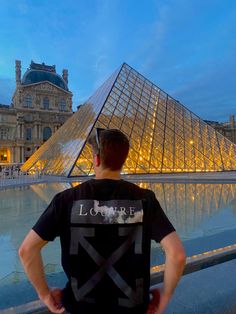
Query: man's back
[{"x": 105, "y": 228}]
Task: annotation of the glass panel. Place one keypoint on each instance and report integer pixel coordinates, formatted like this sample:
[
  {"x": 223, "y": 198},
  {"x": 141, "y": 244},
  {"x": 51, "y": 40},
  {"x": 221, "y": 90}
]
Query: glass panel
[{"x": 59, "y": 153}]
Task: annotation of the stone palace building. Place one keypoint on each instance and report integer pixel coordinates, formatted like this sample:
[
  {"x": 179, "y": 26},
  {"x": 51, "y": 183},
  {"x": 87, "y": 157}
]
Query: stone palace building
[{"x": 41, "y": 103}]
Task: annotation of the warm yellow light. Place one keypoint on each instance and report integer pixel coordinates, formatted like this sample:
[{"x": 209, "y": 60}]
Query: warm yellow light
[
  {"x": 200, "y": 256},
  {"x": 75, "y": 183}
]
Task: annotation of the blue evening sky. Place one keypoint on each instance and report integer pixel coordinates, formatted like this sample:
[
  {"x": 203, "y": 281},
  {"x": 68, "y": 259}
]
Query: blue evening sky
[{"x": 186, "y": 47}]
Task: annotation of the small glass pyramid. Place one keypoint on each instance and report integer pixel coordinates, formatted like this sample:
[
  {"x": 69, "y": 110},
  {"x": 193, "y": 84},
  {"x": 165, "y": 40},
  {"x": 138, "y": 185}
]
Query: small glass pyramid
[{"x": 165, "y": 137}]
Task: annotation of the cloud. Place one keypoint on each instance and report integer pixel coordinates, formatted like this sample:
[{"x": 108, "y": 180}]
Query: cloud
[
  {"x": 100, "y": 63},
  {"x": 153, "y": 41},
  {"x": 101, "y": 70}
]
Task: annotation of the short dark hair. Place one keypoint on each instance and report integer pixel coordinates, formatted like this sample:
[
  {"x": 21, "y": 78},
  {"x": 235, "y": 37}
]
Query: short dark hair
[{"x": 113, "y": 147}]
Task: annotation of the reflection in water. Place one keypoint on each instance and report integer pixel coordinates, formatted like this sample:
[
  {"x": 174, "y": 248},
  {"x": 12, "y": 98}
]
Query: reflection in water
[
  {"x": 194, "y": 209},
  {"x": 46, "y": 193},
  {"x": 189, "y": 205}
]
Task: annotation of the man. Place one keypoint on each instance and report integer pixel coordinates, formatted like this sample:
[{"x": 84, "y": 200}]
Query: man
[{"x": 105, "y": 227}]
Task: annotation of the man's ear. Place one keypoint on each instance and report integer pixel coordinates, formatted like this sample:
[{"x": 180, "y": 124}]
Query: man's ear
[{"x": 97, "y": 160}]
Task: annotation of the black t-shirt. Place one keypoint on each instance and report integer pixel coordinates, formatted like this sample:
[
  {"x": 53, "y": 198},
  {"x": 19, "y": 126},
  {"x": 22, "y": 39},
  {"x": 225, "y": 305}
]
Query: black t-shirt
[{"x": 105, "y": 228}]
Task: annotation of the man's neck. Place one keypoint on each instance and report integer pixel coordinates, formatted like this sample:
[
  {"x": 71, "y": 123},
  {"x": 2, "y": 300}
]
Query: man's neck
[{"x": 107, "y": 174}]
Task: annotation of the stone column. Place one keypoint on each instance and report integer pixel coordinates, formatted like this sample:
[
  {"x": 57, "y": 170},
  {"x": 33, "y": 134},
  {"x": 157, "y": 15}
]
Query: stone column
[
  {"x": 65, "y": 75},
  {"x": 22, "y": 130},
  {"x": 232, "y": 121},
  {"x": 40, "y": 132},
  {"x": 22, "y": 154},
  {"x": 17, "y": 154},
  {"x": 14, "y": 152},
  {"x": 11, "y": 154},
  {"x": 18, "y": 72},
  {"x": 35, "y": 133},
  {"x": 18, "y": 131}
]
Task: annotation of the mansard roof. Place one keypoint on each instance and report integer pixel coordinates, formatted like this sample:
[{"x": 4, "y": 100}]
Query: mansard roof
[{"x": 40, "y": 73}]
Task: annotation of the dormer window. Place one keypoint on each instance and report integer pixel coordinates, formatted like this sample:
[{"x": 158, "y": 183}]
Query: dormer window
[
  {"x": 28, "y": 101},
  {"x": 46, "y": 103},
  {"x": 62, "y": 105}
]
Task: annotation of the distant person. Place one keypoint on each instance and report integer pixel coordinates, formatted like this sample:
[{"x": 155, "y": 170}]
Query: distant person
[{"x": 105, "y": 227}]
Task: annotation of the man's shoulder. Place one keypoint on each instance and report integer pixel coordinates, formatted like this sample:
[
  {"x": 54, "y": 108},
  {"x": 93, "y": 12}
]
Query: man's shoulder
[
  {"x": 145, "y": 192},
  {"x": 72, "y": 190}
]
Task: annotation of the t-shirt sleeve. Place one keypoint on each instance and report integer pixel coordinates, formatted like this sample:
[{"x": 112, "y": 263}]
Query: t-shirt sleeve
[
  {"x": 48, "y": 224},
  {"x": 160, "y": 224}
]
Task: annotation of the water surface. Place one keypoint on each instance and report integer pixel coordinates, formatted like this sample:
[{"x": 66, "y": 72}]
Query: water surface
[{"x": 196, "y": 210}]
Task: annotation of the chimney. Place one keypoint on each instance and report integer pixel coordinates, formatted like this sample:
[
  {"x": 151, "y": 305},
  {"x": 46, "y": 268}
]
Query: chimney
[
  {"x": 65, "y": 75},
  {"x": 232, "y": 121},
  {"x": 18, "y": 72}
]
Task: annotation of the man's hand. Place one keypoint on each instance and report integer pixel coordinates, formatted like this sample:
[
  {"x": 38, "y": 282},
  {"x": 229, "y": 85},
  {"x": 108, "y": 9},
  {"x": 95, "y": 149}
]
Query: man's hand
[
  {"x": 30, "y": 255},
  {"x": 158, "y": 303},
  {"x": 53, "y": 300}
]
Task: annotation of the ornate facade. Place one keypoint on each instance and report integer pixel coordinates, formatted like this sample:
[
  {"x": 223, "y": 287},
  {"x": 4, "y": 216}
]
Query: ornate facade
[
  {"x": 41, "y": 103},
  {"x": 228, "y": 129}
]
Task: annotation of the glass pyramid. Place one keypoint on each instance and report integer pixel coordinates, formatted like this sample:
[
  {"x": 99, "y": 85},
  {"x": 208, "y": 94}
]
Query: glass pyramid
[{"x": 165, "y": 137}]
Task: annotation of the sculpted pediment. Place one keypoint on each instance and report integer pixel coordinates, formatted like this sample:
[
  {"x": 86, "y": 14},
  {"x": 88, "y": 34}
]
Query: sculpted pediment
[{"x": 44, "y": 86}]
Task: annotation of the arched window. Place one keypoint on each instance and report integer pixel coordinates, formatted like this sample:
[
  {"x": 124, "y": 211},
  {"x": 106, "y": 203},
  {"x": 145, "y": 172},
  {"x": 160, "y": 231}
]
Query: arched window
[
  {"x": 47, "y": 132},
  {"x": 62, "y": 105},
  {"x": 28, "y": 101},
  {"x": 28, "y": 134},
  {"x": 46, "y": 103}
]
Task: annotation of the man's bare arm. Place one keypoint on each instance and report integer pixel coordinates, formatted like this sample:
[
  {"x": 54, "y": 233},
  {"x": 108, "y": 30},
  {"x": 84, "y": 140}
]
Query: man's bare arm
[
  {"x": 30, "y": 255},
  {"x": 174, "y": 263},
  {"x": 174, "y": 267}
]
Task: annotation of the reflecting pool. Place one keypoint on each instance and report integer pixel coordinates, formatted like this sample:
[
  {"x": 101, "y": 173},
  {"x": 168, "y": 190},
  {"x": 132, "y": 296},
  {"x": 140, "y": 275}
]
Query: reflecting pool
[{"x": 197, "y": 211}]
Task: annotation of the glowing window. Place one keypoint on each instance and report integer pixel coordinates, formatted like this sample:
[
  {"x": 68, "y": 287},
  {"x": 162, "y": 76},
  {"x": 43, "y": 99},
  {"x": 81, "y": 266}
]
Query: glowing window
[{"x": 4, "y": 155}]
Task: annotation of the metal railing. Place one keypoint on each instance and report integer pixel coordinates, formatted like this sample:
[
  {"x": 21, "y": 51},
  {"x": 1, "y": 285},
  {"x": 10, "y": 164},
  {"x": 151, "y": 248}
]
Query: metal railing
[
  {"x": 194, "y": 263},
  {"x": 11, "y": 177}
]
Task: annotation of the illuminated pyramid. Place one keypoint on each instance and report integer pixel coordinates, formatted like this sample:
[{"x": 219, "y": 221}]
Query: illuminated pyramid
[{"x": 165, "y": 137}]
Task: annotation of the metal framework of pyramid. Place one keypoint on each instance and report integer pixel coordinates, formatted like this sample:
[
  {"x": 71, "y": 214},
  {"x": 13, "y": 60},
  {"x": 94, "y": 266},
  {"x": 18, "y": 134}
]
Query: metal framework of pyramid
[{"x": 165, "y": 137}]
